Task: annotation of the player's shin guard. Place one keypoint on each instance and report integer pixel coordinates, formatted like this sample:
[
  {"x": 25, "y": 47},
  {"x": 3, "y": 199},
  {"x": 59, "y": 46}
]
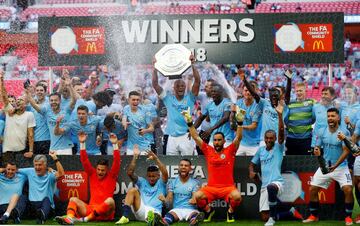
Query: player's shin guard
[
  {"x": 126, "y": 211},
  {"x": 349, "y": 209},
  {"x": 169, "y": 218},
  {"x": 71, "y": 209},
  {"x": 272, "y": 197},
  {"x": 314, "y": 208}
]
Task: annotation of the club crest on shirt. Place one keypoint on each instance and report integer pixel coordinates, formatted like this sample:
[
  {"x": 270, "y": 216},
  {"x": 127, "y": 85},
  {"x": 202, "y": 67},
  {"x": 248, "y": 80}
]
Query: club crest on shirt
[
  {"x": 222, "y": 156},
  {"x": 189, "y": 188}
]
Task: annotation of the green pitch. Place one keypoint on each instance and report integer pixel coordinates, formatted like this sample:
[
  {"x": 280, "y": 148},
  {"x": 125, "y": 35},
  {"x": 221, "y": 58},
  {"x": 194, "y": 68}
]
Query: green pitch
[
  {"x": 216, "y": 223},
  {"x": 219, "y": 223}
]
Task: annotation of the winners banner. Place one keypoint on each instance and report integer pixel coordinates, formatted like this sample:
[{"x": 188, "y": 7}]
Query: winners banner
[{"x": 221, "y": 39}]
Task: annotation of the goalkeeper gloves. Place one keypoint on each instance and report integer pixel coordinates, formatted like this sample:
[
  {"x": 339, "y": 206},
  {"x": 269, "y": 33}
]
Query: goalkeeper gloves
[
  {"x": 239, "y": 115},
  {"x": 187, "y": 117}
]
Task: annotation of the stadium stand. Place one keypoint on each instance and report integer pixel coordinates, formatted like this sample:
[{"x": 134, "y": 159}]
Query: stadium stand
[
  {"x": 76, "y": 1},
  {"x": 186, "y": 9},
  {"x": 4, "y": 13},
  {"x": 74, "y": 11},
  {"x": 348, "y": 7}
]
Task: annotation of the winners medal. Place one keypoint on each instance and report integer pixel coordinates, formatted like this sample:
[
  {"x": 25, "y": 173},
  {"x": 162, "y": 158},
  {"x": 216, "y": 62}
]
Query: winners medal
[{"x": 172, "y": 60}]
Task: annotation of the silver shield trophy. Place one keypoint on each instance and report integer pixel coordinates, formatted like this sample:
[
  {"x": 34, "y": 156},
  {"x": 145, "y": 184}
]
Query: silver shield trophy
[{"x": 172, "y": 60}]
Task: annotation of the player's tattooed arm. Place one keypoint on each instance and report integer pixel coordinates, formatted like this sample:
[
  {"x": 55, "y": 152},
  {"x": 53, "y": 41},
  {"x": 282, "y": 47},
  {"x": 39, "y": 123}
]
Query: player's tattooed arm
[
  {"x": 162, "y": 167},
  {"x": 252, "y": 91},
  {"x": 194, "y": 134},
  {"x": 238, "y": 136},
  {"x": 131, "y": 169}
]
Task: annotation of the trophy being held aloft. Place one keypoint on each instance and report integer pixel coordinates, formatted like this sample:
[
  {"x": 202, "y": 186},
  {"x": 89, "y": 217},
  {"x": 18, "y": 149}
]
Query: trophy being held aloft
[{"x": 172, "y": 60}]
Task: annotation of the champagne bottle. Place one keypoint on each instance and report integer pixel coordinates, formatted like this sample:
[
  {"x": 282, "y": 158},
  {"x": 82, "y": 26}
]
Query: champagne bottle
[
  {"x": 323, "y": 166},
  {"x": 352, "y": 147}
]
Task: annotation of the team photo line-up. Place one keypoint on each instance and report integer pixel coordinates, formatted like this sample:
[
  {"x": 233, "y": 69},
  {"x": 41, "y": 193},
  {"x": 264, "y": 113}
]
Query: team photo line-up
[{"x": 266, "y": 126}]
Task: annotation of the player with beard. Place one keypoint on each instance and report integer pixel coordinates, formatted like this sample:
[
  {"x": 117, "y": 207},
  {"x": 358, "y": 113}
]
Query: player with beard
[
  {"x": 180, "y": 195},
  {"x": 220, "y": 163},
  {"x": 178, "y": 142},
  {"x": 335, "y": 153},
  {"x": 320, "y": 109},
  {"x": 19, "y": 127},
  {"x": 62, "y": 144},
  {"x": 218, "y": 111},
  {"x": 102, "y": 180}
]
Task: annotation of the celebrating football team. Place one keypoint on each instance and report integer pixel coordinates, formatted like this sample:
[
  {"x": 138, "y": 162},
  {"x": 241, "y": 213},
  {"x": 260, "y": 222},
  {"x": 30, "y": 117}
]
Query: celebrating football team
[{"x": 199, "y": 117}]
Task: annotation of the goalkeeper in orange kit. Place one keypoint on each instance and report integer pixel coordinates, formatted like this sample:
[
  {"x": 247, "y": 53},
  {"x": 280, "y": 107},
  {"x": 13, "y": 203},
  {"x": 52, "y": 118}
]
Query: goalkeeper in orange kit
[
  {"x": 220, "y": 163},
  {"x": 102, "y": 185}
]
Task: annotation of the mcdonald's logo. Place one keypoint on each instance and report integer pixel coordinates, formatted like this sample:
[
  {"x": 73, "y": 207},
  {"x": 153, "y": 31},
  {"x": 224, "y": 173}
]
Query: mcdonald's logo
[
  {"x": 318, "y": 44},
  {"x": 91, "y": 47},
  {"x": 322, "y": 196},
  {"x": 73, "y": 193}
]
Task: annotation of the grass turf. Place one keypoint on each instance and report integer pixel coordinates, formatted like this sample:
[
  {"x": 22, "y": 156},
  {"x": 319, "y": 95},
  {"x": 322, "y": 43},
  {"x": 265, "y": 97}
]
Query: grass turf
[{"x": 217, "y": 223}]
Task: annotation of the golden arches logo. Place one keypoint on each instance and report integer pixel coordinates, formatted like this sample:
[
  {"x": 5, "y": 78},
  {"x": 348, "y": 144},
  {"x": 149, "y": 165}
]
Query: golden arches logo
[
  {"x": 322, "y": 196},
  {"x": 73, "y": 193},
  {"x": 318, "y": 44},
  {"x": 91, "y": 47}
]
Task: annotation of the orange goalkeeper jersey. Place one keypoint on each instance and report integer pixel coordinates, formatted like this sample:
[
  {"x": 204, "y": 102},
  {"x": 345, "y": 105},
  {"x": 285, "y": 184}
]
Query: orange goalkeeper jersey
[
  {"x": 100, "y": 190},
  {"x": 220, "y": 165}
]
